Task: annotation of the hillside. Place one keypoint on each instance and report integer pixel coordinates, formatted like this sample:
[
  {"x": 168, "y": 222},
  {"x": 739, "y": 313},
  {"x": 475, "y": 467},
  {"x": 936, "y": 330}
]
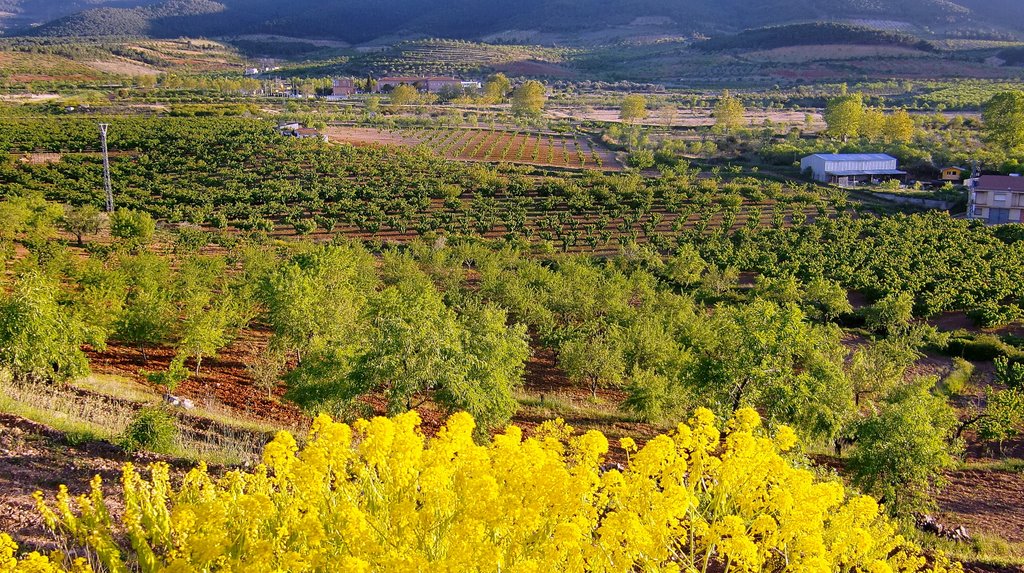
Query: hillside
[
  {"x": 361, "y": 21},
  {"x": 817, "y": 33}
]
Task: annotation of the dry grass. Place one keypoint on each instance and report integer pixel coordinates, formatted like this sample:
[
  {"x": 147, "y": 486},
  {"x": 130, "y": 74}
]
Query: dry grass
[
  {"x": 101, "y": 407},
  {"x": 117, "y": 387},
  {"x": 984, "y": 549},
  {"x": 64, "y": 410}
]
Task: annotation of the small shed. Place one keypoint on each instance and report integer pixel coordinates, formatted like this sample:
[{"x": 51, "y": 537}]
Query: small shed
[
  {"x": 953, "y": 173},
  {"x": 850, "y": 169}
]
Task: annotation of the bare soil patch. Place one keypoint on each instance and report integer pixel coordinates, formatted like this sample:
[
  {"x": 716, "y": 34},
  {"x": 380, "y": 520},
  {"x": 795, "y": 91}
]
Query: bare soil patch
[
  {"x": 222, "y": 382},
  {"x": 987, "y": 501},
  {"x": 123, "y": 68},
  {"x": 536, "y": 68},
  {"x": 34, "y": 457}
]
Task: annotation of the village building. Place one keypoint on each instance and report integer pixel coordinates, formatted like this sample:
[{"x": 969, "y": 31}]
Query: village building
[
  {"x": 851, "y": 169},
  {"x": 996, "y": 199},
  {"x": 343, "y": 87}
]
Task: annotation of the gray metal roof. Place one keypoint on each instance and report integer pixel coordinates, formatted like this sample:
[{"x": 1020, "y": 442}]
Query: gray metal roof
[
  {"x": 855, "y": 156},
  {"x": 867, "y": 172}
]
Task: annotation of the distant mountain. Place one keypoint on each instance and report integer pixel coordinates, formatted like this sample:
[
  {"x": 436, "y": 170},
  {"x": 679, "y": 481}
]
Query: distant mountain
[
  {"x": 22, "y": 14},
  {"x": 360, "y": 21},
  {"x": 144, "y": 20}
]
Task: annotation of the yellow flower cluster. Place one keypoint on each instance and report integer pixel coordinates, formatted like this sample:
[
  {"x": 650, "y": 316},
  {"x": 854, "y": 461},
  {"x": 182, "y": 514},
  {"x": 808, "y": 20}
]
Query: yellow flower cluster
[
  {"x": 379, "y": 496},
  {"x": 34, "y": 562}
]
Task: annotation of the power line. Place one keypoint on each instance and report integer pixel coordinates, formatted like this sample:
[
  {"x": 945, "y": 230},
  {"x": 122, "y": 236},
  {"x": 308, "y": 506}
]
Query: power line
[{"x": 106, "y": 169}]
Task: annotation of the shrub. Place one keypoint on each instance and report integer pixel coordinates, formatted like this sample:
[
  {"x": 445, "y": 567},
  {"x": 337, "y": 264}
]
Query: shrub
[
  {"x": 218, "y": 220},
  {"x": 152, "y": 428},
  {"x": 992, "y": 314},
  {"x": 304, "y": 226},
  {"x": 1010, "y": 371},
  {"x": 641, "y": 159},
  {"x": 957, "y": 380},
  {"x": 175, "y": 374},
  {"x": 892, "y": 314},
  {"x": 133, "y": 227},
  {"x": 980, "y": 347},
  {"x": 380, "y": 496}
]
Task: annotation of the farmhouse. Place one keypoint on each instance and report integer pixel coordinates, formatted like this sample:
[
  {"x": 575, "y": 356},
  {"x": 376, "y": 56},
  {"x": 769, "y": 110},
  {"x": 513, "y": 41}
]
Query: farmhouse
[
  {"x": 344, "y": 87},
  {"x": 430, "y": 84},
  {"x": 850, "y": 169},
  {"x": 997, "y": 199}
]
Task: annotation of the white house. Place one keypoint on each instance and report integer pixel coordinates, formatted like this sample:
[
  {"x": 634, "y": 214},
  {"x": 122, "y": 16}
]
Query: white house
[{"x": 849, "y": 169}]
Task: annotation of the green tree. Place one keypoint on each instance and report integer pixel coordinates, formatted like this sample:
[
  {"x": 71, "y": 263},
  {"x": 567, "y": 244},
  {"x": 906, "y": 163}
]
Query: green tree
[
  {"x": 844, "y": 115},
  {"x": 872, "y": 124},
  {"x": 316, "y": 298},
  {"x": 899, "y": 127},
  {"x": 728, "y": 113},
  {"x": 206, "y": 326},
  {"x": 825, "y": 299},
  {"x": 634, "y": 108},
  {"x": 404, "y": 95},
  {"x": 1003, "y": 417},
  {"x": 902, "y": 449},
  {"x": 686, "y": 267},
  {"x": 411, "y": 345},
  {"x": 528, "y": 99},
  {"x": 497, "y": 88},
  {"x": 100, "y": 297},
  {"x": 148, "y": 311},
  {"x": 81, "y": 221},
  {"x": 891, "y": 314},
  {"x": 416, "y": 349},
  {"x": 39, "y": 339},
  {"x": 1003, "y": 119},
  {"x": 653, "y": 397},
  {"x": 372, "y": 104},
  {"x": 877, "y": 368},
  {"x": 771, "y": 358},
  {"x": 493, "y": 356},
  {"x": 29, "y": 215},
  {"x": 780, "y": 290},
  {"x": 134, "y": 228},
  {"x": 594, "y": 361}
]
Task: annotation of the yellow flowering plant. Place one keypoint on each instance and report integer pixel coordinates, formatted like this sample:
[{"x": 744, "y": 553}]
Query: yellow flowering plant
[{"x": 380, "y": 496}]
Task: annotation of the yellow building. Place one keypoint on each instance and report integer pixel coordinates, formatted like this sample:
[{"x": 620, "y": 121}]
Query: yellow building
[{"x": 953, "y": 174}]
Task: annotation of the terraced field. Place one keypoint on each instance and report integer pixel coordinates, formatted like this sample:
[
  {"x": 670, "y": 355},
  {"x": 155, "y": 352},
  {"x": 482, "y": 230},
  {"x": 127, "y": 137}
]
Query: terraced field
[
  {"x": 453, "y": 56},
  {"x": 490, "y": 145}
]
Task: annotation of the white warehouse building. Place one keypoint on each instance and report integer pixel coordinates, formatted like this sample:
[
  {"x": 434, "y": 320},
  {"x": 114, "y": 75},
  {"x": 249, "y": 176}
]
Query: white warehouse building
[{"x": 850, "y": 169}]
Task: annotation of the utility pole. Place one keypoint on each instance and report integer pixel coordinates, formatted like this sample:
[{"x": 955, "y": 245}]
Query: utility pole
[{"x": 106, "y": 169}]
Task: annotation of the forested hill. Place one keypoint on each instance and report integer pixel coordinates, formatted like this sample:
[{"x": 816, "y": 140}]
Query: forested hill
[{"x": 360, "y": 21}]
